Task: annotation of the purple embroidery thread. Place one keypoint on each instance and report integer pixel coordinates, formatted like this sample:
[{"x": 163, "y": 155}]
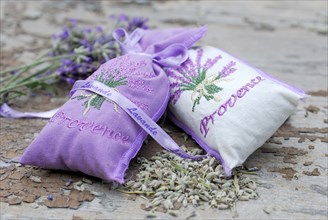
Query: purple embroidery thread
[
  {"x": 224, "y": 107},
  {"x": 134, "y": 112},
  {"x": 123, "y": 67},
  {"x": 139, "y": 84},
  {"x": 141, "y": 105},
  {"x": 228, "y": 69},
  {"x": 61, "y": 117},
  {"x": 267, "y": 76}
]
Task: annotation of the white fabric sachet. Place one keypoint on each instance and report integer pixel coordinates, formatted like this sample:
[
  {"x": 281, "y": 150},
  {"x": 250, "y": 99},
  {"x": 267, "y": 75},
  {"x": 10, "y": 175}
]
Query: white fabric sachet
[{"x": 228, "y": 107}]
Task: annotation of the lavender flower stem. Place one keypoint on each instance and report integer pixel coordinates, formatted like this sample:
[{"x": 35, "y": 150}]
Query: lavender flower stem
[
  {"x": 76, "y": 53},
  {"x": 2, "y": 91},
  {"x": 20, "y": 83},
  {"x": 50, "y": 67},
  {"x": 4, "y": 79},
  {"x": 38, "y": 62},
  {"x": 13, "y": 78},
  {"x": 34, "y": 64}
]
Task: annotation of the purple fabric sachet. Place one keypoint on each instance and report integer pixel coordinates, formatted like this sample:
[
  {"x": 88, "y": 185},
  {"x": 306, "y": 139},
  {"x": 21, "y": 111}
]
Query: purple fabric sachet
[{"x": 99, "y": 135}]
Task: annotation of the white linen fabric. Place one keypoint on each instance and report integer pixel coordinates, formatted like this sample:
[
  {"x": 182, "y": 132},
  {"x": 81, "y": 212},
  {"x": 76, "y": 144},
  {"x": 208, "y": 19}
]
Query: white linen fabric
[{"x": 228, "y": 107}]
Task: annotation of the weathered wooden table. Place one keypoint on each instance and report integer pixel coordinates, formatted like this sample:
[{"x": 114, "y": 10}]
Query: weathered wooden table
[{"x": 287, "y": 39}]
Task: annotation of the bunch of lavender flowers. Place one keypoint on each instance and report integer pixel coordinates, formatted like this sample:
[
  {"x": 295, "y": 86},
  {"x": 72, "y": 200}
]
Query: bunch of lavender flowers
[{"x": 75, "y": 54}]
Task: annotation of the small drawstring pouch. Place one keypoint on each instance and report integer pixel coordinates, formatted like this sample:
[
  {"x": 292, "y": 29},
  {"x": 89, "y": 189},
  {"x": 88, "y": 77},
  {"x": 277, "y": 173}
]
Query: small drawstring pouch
[{"x": 109, "y": 115}]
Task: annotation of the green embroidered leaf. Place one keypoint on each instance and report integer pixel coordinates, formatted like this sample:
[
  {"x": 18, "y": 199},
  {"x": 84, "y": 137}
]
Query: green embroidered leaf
[
  {"x": 98, "y": 100},
  {"x": 195, "y": 81},
  {"x": 99, "y": 78},
  {"x": 79, "y": 97},
  {"x": 212, "y": 89},
  {"x": 201, "y": 76},
  {"x": 111, "y": 82},
  {"x": 101, "y": 101},
  {"x": 196, "y": 102},
  {"x": 184, "y": 87},
  {"x": 85, "y": 104},
  {"x": 218, "y": 77},
  {"x": 208, "y": 97}
]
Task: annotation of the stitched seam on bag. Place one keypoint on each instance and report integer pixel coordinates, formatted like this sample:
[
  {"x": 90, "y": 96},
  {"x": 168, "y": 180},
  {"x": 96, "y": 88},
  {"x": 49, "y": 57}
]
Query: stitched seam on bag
[{"x": 281, "y": 83}]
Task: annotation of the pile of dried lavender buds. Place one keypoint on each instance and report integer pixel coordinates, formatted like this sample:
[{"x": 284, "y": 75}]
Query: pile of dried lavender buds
[{"x": 170, "y": 182}]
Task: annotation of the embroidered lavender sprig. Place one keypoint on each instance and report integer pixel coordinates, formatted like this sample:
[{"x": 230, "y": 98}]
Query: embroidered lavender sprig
[
  {"x": 201, "y": 87},
  {"x": 112, "y": 80},
  {"x": 193, "y": 77},
  {"x": 75, "y": 54}
]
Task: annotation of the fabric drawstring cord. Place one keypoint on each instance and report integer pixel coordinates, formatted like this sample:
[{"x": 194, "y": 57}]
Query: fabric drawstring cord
[{"x": 7, "y": 112}]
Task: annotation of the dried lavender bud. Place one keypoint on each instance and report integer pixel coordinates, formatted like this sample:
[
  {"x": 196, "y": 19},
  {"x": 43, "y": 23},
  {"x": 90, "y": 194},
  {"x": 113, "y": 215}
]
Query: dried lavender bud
[
  {"x": 75, "y": 54},
  {"x": 92, "y": 46},
  {"x": 50, "y": 197},
  {"x": 175, "y": 180}
]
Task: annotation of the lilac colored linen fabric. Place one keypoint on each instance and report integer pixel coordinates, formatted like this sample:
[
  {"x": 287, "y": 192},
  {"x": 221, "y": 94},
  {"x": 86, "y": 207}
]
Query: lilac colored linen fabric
[{"x": 92, "y": 134}]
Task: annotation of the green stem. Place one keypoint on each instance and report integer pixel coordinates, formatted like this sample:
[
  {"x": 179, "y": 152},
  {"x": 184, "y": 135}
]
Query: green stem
[
  {"x": 26, "y": 83},
  {"x": 16, "y": 76},
  {"x": 4, "y": 79},
  {"x": 53, "y": 66},
  {"x": 24, "y": 66},
  {"x": 37, "y": 62},
  {"x": 28, "y": 66}
]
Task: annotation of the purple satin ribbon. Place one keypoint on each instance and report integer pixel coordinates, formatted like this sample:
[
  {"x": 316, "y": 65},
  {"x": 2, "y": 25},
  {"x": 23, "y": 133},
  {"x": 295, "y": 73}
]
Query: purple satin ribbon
[
  {"x": 7, "y": 112},
  {"x": 139, "y": 116},
  {"x": 171, "y": 56},
  {"x": 128, "y": 43}
]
